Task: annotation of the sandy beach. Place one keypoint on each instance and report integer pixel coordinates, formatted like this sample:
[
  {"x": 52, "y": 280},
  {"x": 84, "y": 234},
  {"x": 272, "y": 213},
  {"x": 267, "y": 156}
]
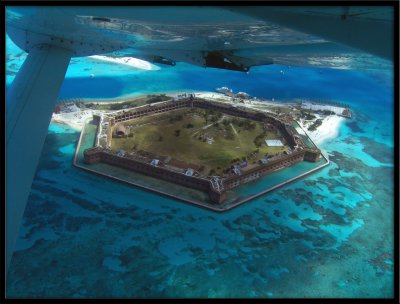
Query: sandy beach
[
  {"x": 75, "y": 120},
  {"x": 329, "y": 128},
  {"x": 129, "y": 61}
]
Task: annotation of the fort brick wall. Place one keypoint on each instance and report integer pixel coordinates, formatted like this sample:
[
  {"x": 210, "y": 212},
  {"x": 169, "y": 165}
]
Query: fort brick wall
[
  {"x": 264, "y": 169},
  {"x": 96, "y": 154},
  {"x": 312, "y": 155},
  {"x": 204, "y": 104},
  {"x": 99, "y": 154}
]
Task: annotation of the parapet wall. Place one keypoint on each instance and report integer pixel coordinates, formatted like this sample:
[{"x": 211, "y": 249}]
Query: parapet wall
[
  {"x": 96, "y": 154},
  {"x": 264, "y": 169}
]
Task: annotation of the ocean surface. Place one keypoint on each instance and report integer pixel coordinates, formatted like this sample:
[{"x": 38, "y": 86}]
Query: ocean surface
[{"x": 327, "y": 235}]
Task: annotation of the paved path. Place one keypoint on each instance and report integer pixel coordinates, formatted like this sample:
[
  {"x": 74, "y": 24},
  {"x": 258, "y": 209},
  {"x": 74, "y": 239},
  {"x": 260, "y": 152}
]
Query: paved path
[{"x": 233, "y": 128}]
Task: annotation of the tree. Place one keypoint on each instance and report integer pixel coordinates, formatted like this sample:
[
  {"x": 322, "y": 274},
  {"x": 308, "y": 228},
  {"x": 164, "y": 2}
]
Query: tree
[
  {"x": 259, "y": 140},
  {"x": 230, "y": 135},
  {"x": 251, "y": 126},
  {"x": 210, "y": 111},
  {"x": 315, "y": 125},
  {"x": 214, "y": 118},
  {"x": 177, "y": 132}
]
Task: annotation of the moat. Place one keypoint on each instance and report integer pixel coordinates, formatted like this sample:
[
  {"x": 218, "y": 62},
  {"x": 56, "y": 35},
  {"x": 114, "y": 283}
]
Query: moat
[{"x": 211, "y": 154}]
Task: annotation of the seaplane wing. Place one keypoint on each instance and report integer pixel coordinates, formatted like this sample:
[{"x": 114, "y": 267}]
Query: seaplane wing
[
  {"x": 369, "y": 29},
  {"x": 233, "y": 38}
]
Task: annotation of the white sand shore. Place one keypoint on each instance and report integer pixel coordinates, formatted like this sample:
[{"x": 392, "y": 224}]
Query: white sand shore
[
  {"x": 75, "y": 120},
  {"x": 247, "y": 102},
  {"x": 329, "y": 129},
  {"x": 129, "y": 61},
  {"x": 316, "y": 107},
  {"x": 125, "y": 98},
  {"x": 212, "y": 95}
]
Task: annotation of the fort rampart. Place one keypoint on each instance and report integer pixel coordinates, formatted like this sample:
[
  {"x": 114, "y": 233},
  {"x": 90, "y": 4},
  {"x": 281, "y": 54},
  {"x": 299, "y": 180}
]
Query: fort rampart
[
  {"x": 216, "y": 187},
  {"x": 98, "y": 154},
  {"x": 205, "y": 104}
]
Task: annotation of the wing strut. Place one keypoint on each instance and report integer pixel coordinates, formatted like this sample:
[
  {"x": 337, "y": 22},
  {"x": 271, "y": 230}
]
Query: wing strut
[{"x": 30, "y": 103}]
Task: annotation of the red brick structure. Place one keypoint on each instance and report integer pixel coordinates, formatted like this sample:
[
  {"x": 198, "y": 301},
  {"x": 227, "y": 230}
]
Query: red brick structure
[
  {"x": 215, "y": 186},
  {"x": 98, "y": 154}
]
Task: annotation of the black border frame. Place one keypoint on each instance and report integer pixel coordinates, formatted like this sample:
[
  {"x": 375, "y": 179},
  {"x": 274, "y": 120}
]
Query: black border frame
[{"x": 396, "y": 186}]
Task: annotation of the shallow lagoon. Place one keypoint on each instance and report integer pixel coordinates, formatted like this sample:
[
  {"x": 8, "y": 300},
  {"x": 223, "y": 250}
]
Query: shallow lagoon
[{"x": 87, "y": 236}]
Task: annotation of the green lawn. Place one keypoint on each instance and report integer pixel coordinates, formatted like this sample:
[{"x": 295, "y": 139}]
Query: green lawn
[{"x": 159, "y": 134}]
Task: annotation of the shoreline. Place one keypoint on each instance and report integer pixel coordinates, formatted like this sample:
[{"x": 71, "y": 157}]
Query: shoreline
[
  {"x": 328, "y": 130},
  {"x": 127, "y": 61},
  {"x": 125, "y": 98},
  {"x": 75, "y": 120},
  {"x": 174, "y": 93}
]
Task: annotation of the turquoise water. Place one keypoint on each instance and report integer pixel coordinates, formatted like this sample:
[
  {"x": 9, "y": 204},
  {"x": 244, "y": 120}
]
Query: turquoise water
[{"x": 327, "y": 235}]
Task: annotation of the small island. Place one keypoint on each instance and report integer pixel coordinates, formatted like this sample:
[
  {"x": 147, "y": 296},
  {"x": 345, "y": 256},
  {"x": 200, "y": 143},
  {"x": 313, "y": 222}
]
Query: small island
[{"x": 212, "y": 144}]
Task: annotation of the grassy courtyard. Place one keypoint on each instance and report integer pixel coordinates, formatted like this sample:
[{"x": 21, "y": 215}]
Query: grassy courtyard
[{"x": 210, "y": 140}]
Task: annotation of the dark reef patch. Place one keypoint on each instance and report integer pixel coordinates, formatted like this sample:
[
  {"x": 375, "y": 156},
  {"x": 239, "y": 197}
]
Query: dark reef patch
[
  {"x": 85, "y": 204},
  {"x": 74, "y": 224},
  {"x": 38, "y": 211},
  {"x": 379, "y": 151},
  {"x": 349, "y": 164},
  {"x": 75, "y": 190},
  {"x": 354, "y": 127},
  {"x": 46, "y": 180},
  {"x": 299, "y": 196}
]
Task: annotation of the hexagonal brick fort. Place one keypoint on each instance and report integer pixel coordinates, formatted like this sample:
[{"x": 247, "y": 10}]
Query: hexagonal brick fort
[{"x": 215, "y": 186}]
